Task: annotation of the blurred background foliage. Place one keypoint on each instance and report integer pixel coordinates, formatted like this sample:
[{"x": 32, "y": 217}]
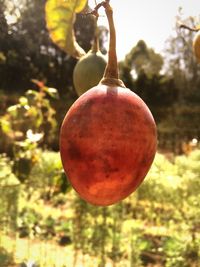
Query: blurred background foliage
[{"x": 156, "y": 226}]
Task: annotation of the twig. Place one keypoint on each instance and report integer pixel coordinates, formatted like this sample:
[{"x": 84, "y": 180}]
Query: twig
[
  {"x": 95, "y": 11},
  {"x": 195, "y": 29}
]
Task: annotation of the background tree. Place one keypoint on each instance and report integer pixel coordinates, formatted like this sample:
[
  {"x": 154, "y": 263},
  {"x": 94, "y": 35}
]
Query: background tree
[
  {"x": 141, "y": 72},
  {"x": 144, "y": 59},
  {"x": 30, "y": 53},
  {"x": 182, "y": 66}
]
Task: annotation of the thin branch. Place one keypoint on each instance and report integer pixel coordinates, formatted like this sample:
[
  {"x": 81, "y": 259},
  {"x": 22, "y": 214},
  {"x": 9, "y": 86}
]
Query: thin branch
[
  {"x": 195, "y": 29},
  {"x": 95, "y": 10}
]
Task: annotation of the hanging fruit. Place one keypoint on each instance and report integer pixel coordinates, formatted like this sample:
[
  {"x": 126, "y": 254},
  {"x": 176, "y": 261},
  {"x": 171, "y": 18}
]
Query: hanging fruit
[
  {"x": 196, "y": 46},
  {"x": 89, "y": 69},
  {"x": 108, "y": 138}
]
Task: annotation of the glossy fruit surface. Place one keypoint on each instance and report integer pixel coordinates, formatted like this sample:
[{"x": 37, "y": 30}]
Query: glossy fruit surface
[
  {"x": 196, "y": 46},
  {"x": 88, "y": 71},
  {"x": 107, "y": 144}
]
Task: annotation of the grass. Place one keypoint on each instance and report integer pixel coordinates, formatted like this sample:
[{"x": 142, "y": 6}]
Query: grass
[
  {"x": 47, "y": 254},
  {"x": 156, "y": 225}
]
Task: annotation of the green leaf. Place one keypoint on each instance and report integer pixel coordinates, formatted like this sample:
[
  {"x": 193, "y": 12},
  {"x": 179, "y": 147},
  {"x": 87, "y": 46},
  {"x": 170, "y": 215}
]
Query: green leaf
[
  {"x": 60, "y": 17},
  {"x": 12, "y": 110},
  {"x": 5, "y": 126},
  {"x": 23, "y": 101}
]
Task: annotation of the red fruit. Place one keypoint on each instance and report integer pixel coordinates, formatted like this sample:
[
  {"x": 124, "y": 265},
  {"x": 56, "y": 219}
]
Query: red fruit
[
  {"x": 108, "y": 142},
  {"x": 108, "y": 137}
]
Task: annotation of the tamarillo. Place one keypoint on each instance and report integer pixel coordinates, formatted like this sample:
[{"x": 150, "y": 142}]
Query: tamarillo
[
  {"x": 89, "y": 69},
  {"x": 108, "y": 138},
  {"x": 196, "y": 46}
]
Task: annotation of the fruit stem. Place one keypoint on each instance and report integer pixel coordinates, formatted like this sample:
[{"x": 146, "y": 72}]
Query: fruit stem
[
  {"x": 111, "y": 74},
  {"x": 111, "y": 70},
  {"x": 95, "y": 45}
]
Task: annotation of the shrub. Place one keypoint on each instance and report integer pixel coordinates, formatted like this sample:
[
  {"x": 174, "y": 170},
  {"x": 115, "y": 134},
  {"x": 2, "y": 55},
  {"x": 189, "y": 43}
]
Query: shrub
[{"x": 9, "y": 192}]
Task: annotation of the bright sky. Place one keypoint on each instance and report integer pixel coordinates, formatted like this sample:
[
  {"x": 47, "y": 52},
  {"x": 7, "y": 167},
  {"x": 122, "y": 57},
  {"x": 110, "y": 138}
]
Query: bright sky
[{"x": 150, "y": 20}]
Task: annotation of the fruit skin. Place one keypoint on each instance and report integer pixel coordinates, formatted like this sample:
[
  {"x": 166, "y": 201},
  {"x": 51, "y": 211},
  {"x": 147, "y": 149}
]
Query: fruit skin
[
  {"x": 108, "y": 142},
  {"x": 88, "y": 71},
  {"x": 196, "y": 46}
]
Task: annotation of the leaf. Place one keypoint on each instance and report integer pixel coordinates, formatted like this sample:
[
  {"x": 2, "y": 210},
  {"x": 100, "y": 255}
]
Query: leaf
[
  {"x": 52, "y": 92},
  {"x": 5, "y": 126},
  {"x": 40, "y": 84},
  {"x": 23, "y": 101},
  {"x": 12, "y": 110},
  {"x": 60, "y": 17}
]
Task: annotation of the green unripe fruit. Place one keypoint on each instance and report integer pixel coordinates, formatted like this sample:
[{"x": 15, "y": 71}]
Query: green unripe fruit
[{"x": 88, "y": 71}]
